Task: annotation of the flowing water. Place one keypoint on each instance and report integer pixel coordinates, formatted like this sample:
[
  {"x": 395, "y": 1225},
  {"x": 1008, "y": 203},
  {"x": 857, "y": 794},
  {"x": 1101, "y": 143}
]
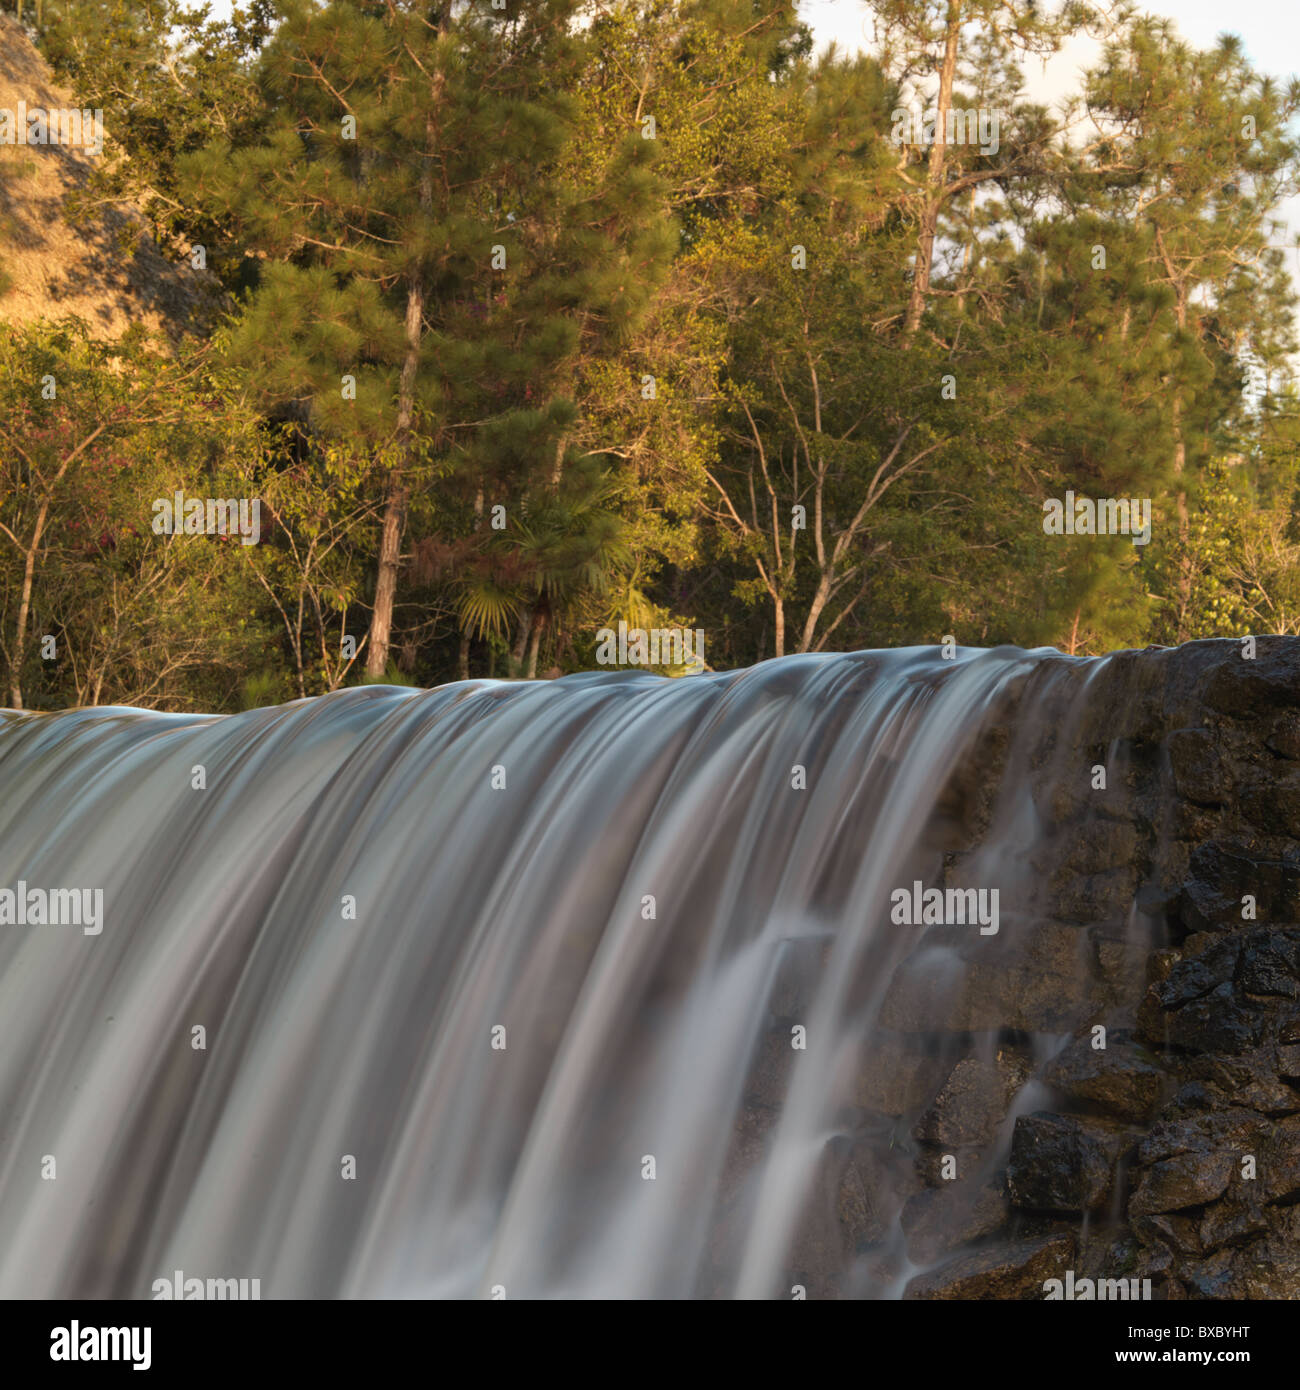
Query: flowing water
[{"x": 502, "y": 985}]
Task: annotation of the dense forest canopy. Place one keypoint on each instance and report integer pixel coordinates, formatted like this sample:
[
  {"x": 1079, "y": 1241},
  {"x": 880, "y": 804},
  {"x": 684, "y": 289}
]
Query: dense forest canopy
[{"x": 534, "y": 317}]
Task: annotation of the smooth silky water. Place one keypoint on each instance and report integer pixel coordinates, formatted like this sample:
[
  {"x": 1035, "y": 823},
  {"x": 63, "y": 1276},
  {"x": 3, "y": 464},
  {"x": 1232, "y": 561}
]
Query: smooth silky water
[{"x": 621, "y": 872}]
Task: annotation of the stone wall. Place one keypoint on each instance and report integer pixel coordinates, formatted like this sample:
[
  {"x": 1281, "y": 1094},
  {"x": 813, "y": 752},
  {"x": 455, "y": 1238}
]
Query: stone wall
[
  {"x": 1173, "y": 1153},
  {"x": 990, "y": 1143}
]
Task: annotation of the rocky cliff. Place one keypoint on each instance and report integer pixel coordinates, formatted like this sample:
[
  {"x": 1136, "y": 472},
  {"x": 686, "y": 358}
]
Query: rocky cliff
[
  {"x": 1107, "y": 1087},
  {"x": 105, "y": 269}
]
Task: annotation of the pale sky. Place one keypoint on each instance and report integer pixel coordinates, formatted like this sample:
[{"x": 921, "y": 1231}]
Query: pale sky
[{"x": 1269, "y": 29}]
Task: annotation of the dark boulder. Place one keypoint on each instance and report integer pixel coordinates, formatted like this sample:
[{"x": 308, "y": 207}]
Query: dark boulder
[{"x": 1064, "y": 1162}]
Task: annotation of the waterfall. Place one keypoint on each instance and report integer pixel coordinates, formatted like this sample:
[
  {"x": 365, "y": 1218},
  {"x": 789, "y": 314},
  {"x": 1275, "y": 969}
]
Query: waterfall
[{"x": 577, "y": 988}]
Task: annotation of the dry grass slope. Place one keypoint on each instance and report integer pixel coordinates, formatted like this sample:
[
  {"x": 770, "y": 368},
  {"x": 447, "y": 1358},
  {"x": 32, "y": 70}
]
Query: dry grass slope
[{"x": 107, "y": 271}]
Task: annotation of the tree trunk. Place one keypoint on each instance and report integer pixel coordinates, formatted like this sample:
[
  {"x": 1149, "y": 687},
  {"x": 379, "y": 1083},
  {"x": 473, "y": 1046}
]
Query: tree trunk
[
  {"x": 819, "y": 601},
  {"x": 533, "y": 645},
  {"x": 25, "y": 607},
  {"x": 1073, "y": 646},
  {"x": 399, "y": 494},
  {"x": 934, "y": 200},
  {"x": 1184, "y": 528},
  {"x": 390, "y": 545},
  {"x": 778, "y": 605},
  {"x": 390, "y": 551},
  {"x": 521, "y": 637},
  {"x": 1184, "y": 579}
]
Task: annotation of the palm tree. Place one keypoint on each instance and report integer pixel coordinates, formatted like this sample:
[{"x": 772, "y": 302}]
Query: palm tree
[{"x": 553, "y": 568}]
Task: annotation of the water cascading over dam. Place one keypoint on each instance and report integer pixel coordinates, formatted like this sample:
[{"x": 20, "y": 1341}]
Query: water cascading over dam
[{"x": 612, "y": 986}]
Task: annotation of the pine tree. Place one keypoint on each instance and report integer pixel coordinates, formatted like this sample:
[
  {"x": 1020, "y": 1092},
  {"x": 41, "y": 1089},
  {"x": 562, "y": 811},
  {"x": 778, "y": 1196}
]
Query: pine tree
[
  {"x": 1193, "y": 165},
  {"x": 389, "y": 204}
]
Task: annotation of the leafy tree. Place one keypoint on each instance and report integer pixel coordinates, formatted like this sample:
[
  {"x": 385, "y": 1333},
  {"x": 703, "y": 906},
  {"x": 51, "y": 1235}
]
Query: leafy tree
[
  {"x": 1195, "y": 155},
  {"x": 94, "y": 605},
  {"x": 167, "y": 76}
]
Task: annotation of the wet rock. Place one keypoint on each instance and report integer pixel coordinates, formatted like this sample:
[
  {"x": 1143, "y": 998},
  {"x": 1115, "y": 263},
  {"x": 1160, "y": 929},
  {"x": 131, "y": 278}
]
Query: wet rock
[
  {"x": 1195, "y": 823},
  {"x": 1200, "y": 942},
  {"x": 1278, "y": 1164},
  {"x": 1249, "y": 688},
  {"x": 769, "y": 1077},
  {"x": 1273, "y": 804},
  {"x": 973, "y": 1101},
  {"x": 1197, "y": 1007},
  {"x": 1130, "y": 914},
  {"x": 1219, "y": 1022},
  {"x": 1195, "y": 977},
  {"x": 940, "y": 1219},
  {"x": 1133, "y": 694},
  {"x": 1220, "y": 874},
  {"x": 1123, "y": 1079},
  {"x": 1064, "y": 1162},
  {"x": 1250, "y": 1080},
  {"x": 849, "y": 1205},
  {"x": 945, "y": 1164},
  {"x": 1156, "y": 1262},
  {"x": 863, "y": 1208},
  {"x": 1121, "y": 964},
  {"x": 962, "y": 809},
  {"x": 1199, "y": 772},
  {"x": 1270, "y": 963},
  {"x": 1180, "y": 1234},
  {"x": 1101, "y": 845},
  {"x": 1034, "y": 976},
  {"x": 798, "y": 973},
  {"x": 896, "y": 1077},
  {"x": 1235, "y": 1129},
  {"x": 1187, "y": 1180},
  {"x": 1119, "y": 1267},
  {"x": 750, "y": 1136},
  {"x": 1160, "y": 963},
  {"x": 1231, "y": 1223},
  {"x": 1010, "y": 1270},
  {"x": 1061, "y": 801},
  {"x": 1191, "y": 1098},
  {"x": 1285, "y": 736},
  {"x": 1268, "y": 1267},
  {"x": 1089, "y": 898}
]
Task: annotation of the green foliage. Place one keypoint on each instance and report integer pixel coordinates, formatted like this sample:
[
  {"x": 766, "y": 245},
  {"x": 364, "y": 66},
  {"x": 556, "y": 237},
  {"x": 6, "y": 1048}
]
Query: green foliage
[
  {"x": 262, "y": 688},
  {"x": 392, "y": 675},
  {"x": 135, "y": 617},
  {"x": 167, "y": 77},
  {"x": 728, "y": 294}
]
